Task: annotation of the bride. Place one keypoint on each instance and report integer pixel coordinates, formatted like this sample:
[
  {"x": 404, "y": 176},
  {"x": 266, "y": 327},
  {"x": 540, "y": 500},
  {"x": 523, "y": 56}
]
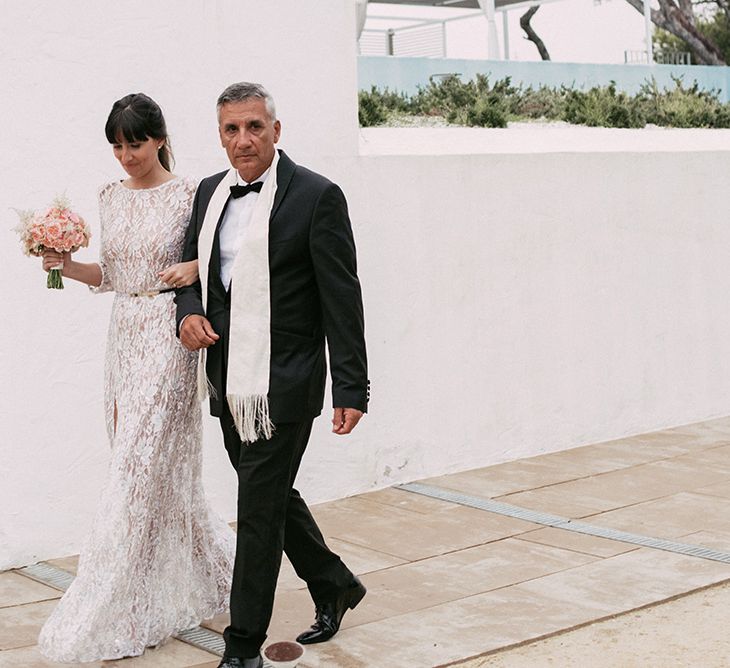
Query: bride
[{"x": 157, "y": 560}]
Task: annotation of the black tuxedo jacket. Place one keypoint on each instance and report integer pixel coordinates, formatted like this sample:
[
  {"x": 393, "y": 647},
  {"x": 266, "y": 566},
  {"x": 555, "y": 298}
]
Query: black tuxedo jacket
[{"x": 315, "y": 294}]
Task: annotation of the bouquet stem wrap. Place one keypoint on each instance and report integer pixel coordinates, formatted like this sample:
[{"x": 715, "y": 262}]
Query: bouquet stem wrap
[{"x": 55, "y": 278}]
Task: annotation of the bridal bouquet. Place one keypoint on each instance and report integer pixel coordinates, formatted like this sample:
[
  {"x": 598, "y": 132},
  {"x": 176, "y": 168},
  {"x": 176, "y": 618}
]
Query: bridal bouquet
[{"x": 56, "y": 228}]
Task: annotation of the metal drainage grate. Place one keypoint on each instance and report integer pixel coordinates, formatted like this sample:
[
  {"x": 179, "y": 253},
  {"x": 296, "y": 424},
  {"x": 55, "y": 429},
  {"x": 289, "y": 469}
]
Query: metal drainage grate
[
  {"x": 48, "y": 575},
  {"x": 546, "y": 519},
  {"x": 200, "y": 637},
  {"x": 204, "y": 639}
]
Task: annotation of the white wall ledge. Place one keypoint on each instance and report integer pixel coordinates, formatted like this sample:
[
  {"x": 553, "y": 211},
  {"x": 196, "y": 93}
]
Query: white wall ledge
[{"x": 538, "y": 138}]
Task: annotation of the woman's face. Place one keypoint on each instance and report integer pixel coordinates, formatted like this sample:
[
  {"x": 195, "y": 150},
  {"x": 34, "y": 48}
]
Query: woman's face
[{"x": 138, "y": 158}]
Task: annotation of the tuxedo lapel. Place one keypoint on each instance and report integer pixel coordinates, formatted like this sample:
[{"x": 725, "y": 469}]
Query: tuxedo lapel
[
  {"x": 284, "y": 174},
  {"x": 214, "y": 266}
]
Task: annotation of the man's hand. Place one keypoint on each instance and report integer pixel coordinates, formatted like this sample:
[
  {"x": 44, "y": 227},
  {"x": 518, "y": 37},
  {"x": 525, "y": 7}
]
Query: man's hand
[
  {"x": 345, "y": 420},
  {"x": 196, "y": 333}
]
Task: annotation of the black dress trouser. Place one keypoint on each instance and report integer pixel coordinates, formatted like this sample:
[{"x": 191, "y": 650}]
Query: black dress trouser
[{"x": 273, "y": 517}]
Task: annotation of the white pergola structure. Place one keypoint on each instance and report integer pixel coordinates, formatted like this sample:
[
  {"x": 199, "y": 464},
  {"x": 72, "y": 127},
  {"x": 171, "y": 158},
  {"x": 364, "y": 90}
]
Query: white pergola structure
[{"x": 490, "y": 7}]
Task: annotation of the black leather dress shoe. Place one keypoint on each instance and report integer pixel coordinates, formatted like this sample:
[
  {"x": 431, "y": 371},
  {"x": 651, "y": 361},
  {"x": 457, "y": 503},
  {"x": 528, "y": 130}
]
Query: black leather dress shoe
[
  {"x": 328, "y": 616},
  {"x": 237, "y": 662}
]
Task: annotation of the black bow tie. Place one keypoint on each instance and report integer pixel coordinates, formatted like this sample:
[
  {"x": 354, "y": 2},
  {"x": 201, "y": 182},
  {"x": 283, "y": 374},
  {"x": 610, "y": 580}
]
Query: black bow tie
[{"x": 241, "y": 191}]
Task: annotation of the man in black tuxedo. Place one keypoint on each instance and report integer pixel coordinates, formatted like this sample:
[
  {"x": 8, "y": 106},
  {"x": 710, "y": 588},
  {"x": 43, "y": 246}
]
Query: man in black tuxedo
[{"x": 314, "y": 296}]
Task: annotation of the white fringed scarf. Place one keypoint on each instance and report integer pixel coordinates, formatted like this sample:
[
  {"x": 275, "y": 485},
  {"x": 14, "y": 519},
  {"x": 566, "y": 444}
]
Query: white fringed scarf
[{"x": 249, "y": 343}]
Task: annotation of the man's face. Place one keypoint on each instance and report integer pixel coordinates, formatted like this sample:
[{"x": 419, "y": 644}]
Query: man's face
[{"x": 248, "y": 134}]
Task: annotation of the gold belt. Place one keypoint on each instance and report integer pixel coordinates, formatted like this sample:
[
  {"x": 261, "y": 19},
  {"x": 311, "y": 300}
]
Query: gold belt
[{"x": 150, "y": 293}]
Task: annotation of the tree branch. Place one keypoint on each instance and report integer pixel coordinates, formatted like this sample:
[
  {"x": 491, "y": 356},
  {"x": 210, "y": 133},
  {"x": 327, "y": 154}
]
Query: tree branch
[
  {"x": 531, "y": 34},
  {"x": 671, "y": 18},
  {"x": 685, "y": 7}
]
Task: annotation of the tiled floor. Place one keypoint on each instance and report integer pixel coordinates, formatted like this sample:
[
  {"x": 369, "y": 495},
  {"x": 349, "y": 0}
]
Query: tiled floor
[
  {"x": 447, "y": 582},
  {"x": 688, "y": 631}
]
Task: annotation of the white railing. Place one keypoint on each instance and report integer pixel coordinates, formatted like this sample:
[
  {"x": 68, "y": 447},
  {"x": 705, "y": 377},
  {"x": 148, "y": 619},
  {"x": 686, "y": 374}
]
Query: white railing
[
  {"x": 423, "y": 38},
  {"x": 422, "y": 41},
  {"x": 673, "y": 57},
  {"x": 633, "y": 57},
  {"x": 660, "y": 57}
]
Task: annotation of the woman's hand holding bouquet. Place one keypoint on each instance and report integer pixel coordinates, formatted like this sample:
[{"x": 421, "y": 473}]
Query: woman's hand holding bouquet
[{"x": 53, "y": 233}]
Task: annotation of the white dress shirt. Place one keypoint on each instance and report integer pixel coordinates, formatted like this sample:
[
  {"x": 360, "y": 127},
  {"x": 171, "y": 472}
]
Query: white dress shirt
[{"x": 233, "y": 226}]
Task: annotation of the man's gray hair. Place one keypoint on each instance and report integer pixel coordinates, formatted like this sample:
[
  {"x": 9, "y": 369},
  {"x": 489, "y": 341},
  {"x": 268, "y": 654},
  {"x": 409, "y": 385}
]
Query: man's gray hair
[{"x": 242, "y": 91}]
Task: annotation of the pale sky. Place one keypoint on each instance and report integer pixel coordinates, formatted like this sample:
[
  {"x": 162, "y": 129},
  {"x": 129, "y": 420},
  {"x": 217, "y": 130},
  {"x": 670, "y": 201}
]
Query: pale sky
[{"x": 573, "y": 30}]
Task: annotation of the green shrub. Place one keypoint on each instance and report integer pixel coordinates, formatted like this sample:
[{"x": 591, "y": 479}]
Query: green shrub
[
  {"x": 443, "y": 97},
  {"x": 375, "y": 106},
  {"x": 547, "y": 103},
  {"x": 473, "y": 102},
  {"x": 370, "y": 109},
  {"x": 683, "y": 107},
  {"x": 722, "y": 116},
  {"x": 603, "y": 106},
  {"x": 487, "y": 112},
  {"x": 479, "y": 103}
]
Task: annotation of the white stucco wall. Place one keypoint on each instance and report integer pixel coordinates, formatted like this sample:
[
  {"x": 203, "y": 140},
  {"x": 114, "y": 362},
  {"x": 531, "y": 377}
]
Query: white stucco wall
[
  {"x": 515, "y": 303},
  {"x": 62, "y": 65},
  {"x": 521, "y": 304}
]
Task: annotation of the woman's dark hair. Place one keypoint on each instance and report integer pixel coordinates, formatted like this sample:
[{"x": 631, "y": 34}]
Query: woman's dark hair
[{"x": 137, "y": 117}]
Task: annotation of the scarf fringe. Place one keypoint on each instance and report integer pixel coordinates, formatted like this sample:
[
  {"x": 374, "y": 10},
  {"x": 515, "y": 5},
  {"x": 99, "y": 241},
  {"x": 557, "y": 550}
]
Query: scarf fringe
[
  {"x": 205, "y": 387},
  {"x": 251, "y": 417}
]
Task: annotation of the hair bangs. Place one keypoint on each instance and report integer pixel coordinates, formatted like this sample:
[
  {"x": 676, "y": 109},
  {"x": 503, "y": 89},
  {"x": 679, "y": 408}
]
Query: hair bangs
[{"x": 128, "y": 125}]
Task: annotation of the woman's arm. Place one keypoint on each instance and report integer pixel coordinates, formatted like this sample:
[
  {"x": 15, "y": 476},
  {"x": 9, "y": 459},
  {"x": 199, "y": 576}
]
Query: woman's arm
[{"x": 85, "y": 272}]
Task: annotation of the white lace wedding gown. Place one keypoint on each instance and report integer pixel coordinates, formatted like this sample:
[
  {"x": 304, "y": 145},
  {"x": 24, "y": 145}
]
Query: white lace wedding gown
[{"x": 157, "y": 560}]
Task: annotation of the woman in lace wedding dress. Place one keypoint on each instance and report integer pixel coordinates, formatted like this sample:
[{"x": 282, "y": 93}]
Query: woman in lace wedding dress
[{"x": 157, "y": 560}]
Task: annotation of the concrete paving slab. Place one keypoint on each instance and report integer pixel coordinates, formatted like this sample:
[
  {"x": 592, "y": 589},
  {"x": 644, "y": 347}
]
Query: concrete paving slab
[
  {"x": 507, "y": 478},
  {"x": 361, "y": 559},
  {"x": 20, "y": 624},
  {"x": 217, "y": 623},
  {"x": 429, "y": 582},
  {"x": 670, "y": 517},
  {"x": 688, "y": 631},
  {"x": 717, "y": 540},
  {"x": 567, "y": 540},
  {"x": 617, "y": 489},
  {"x": 411, "y": 536},
  {"x": 398, "y": 498},
  {"x": 721, "y": 489},
  {"x": 18, "y": 590},
  {"x": 574, "y": 499},
  {"x": 717, "y": 429},
  {"x": 448, "y": 632},
  {"x": 575, "y": 463},
  {"x": 174, "y": 654},
  {"x": 630, "y": 581},
  {"x": 69, "y": 564},
  {"x": 716, "y": 458}
]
